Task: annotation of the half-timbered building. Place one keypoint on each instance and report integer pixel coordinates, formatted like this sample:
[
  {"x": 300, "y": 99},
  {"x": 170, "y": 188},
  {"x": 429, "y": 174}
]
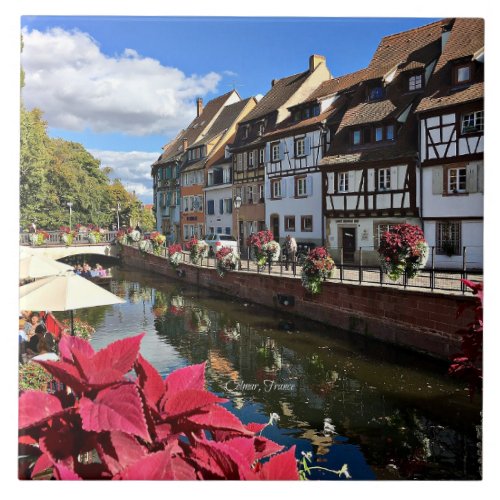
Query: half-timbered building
[
  {"x": 451, "y": 118},
  {"x": 251, "y": 150},
  {"x": 370, "y": 172}
]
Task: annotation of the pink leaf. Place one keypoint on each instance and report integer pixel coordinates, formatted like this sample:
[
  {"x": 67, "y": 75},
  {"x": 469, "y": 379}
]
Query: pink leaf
[
  {"x": 158, "y": 466},
  {"x": 265, "y": 447},
  {"x": 190, "y": 377},
  {"x": 255, "y": 427},
  {"x": 36, "y": 407},
  {"x": 119, "y": 355},
  {"x": 64, "y": 473},
  {"x": 41, "y": 465},
  {"x": 68, "y": 343},
  {"x": 150, "y": 381},
  {"x": 115, "y": 409},
  {"x": 119, "y": 450},
  {"x": 218, "y": 418},
  {"x": 280, "y": 467},
  {"x": 65, "y": 373},
  {"x": 189, "y": 400}
]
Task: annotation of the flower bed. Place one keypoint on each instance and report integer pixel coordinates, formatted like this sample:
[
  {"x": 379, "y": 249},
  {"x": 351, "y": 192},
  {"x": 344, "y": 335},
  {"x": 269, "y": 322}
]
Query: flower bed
[
  {"x": 33, "y": 377},
  {"x": 264, "y": 247},
  {"x": 403, "y": 249},
  {"x": 198, "y": 250},
  {"x": 174, "y": 254},
  {"x": 81, "y": 329},
  {"x": 317, "y": 267},
  {"x": 226, "y": 260}
]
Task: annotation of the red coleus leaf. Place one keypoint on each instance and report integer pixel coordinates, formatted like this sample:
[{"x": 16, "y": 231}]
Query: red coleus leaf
[
  {"x": 280, "y": 467},
  {"x": 218, "y": 418},
  {"x": 58, "y": 441},
  {"x": 36, "y": 407},
  {"x": 265, "y": 447},
  {"x": 65, "y": 473},
  {"x": 119, "y": 355},
  {"x": 188, "y": 401},
  {"x": 190, "y": 377},
  {"x": 116, "y": 408},
  {"x": 68, "y": 343},
  {"x": 150, "y": 381},
  {"x": 220, "y": 461},
  {"x": 41, "y": 465},
  {"x": 159, "y": 466},
  {"x": 118, "y": 450},
  {"x": 255, "y": 427},
  {"x": 66, "y": 373}
]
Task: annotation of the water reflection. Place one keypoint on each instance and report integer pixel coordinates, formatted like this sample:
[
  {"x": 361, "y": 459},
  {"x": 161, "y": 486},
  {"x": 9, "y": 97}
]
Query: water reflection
[{"x": 395, "y": 415}]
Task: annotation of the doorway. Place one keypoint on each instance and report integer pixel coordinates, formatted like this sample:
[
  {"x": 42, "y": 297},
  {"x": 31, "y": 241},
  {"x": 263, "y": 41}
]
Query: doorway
[
  {"x": 349, "y": 243},
  {"x": 275, "y": 226}
]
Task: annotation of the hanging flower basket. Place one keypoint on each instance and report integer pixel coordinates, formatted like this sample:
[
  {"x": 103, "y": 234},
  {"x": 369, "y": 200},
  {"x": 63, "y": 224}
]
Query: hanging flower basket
[
  {"x": 134, "y": 235},
  {"x": 38, "y": 238},
  {"x": 264, "y": 248},
  {"x": 198, "y": 250},
  {"x": 403, "y": 249},
  {"x": 174, "y": 255},
  {"x": 146, "y": 246},
  {"x": 226, "y": 260},
  {"x": 318, "y": 266},
  {"x": 158, "y": 241}
]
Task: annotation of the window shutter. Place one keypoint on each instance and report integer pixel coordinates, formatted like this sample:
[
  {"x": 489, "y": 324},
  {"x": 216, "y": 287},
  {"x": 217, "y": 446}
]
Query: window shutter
[
  {"x": 472, "y": 178},
  {"x": 309, "y": 185},
  {"x": 394, "y": 178},
  {"x": 267, "y": 190},
  {"x": 178, "y": 197},
  {"x": 267, "y": 153},
  {"x": 288, "y": 184},
  {"x": 221, "y": 206},
  {"x": 281, "y": 150},
  {"x": 480, "y": 178},
  {"x": 437, "y": 180},
  {"x": 351, "y": 181},
  {"x": 307, "y": 145}
]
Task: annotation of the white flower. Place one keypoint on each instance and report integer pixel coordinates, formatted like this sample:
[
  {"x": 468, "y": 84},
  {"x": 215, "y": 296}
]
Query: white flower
[
  {"x": 273, "y": 417},
  {"x": 329, "y": 428},
  {"x": 344, "y": 472}
]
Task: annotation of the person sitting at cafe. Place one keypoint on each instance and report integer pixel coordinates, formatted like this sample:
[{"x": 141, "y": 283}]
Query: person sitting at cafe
[
  {"x": 32, "y": 324},
  {"x": 86, "y": 271},
  {"x": 41, "y": 339}
]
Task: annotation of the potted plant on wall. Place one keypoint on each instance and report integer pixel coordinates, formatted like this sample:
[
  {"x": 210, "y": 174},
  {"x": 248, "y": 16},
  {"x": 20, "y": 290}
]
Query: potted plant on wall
[{"x": 226, "y": 260}]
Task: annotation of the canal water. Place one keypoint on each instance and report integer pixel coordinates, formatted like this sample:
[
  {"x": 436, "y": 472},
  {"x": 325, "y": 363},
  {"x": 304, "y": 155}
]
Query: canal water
[{"x": 396, "y": 415}]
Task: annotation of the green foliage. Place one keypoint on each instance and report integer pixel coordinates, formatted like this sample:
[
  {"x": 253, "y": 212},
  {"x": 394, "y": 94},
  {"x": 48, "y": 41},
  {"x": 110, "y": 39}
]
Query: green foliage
[{"x": 54, "y": 172}]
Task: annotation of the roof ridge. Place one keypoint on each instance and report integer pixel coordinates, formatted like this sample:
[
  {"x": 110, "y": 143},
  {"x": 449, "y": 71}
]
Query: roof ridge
[{"x": 418, "y": 28}]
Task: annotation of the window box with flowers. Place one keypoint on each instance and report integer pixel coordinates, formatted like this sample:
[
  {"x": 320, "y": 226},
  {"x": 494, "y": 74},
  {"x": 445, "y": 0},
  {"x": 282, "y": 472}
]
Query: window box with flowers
[
  {"x": 318, "y": 266},
  {"x": 403, "y": 249}
]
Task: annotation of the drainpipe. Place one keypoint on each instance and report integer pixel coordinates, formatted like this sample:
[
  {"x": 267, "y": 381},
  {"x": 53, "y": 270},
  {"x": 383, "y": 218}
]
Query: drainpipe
[{"x": 421, "y": 176}]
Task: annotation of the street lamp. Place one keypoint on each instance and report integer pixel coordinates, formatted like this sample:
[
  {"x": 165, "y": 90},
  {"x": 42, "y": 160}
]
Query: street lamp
[
  {"x": 237, "y": 205},
  {"x": 118, "y": 208},
  {"x": 69, "y": 205}
]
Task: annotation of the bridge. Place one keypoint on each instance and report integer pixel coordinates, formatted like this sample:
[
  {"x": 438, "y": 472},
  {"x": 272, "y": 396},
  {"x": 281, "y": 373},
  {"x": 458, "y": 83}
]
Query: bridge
[{"x": 55, "y": 248}]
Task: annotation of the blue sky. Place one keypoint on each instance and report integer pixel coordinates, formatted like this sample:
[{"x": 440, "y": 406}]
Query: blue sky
[{"x": 123, "y": 86}]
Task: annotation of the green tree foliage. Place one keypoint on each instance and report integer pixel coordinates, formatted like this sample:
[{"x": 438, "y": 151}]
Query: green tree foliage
[{"x": 54, "y": 172}]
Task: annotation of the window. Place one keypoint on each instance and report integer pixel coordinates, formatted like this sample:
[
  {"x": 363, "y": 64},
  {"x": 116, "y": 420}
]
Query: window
[
  {"x": 211, "y": 230},
  {"x": 379, "y": 134},
  {"x": 384, "y": 179},
  {"x": 261, "y": 128},
  {"x": 228, "y": 230},
  {"x": 463, "y": 73},
  {"x": 226, "y": 175},
  {"x": 245, "y": 131},
  {"x": 210, "y": 179},
  {"x": 261, "y": 193},
  {"x": 276, "y": 188},
  {"x": 356, "y": 137},
  {"x": 415, "y": 82},
  {"x": 249, "y": 194},
  {"x": 300, "y": 187},
  {"x": 250, "y": 159},
  {"x": 261, "y": 156},
  {"x": 219, "y": 230},
  {"x": 185, "y": 204},
  {"x": 472, "y": 122},
  {"x": 275, "y": 151},
  {"x": 306, "y": 223},
  {"x": 389, "y": 132},
  {"x": 457, "y": 180},
  {"x": 343, "y": 182},
  {"x": 300, "y": 147},
  {"x": 449, "y": 238},
  {"x": 289, "y": 222},
  {"x": 185, "y": 229},
  {"x": 239, "y": 160},
  {"x": 221, "y": 207},
  {"x": 228, "y": 206},
  {"x": 375, "y": 93}
]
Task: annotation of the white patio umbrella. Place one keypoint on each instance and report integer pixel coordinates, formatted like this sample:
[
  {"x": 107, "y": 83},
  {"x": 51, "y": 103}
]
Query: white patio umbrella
[
  {"x": 38, "y": 266},
  {"x": 64, "y": 292}
]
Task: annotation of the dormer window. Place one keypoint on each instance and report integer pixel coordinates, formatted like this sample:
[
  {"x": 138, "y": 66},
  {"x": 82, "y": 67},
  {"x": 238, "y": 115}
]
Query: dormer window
[
  {"x": 462, "y": 74},
  {"x": 356, "y": 137},
  {"x": 245, "y": 132},
  {"x": 415, "y": 82},
  {"x": 376, "y": 93},
  {"x": 261, "y": 128},
  {"x": 367, "y": 135}
]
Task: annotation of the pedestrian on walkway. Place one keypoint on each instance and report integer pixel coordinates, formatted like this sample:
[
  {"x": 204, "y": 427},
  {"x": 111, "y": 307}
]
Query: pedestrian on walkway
[{"x": 291, "y": 251}]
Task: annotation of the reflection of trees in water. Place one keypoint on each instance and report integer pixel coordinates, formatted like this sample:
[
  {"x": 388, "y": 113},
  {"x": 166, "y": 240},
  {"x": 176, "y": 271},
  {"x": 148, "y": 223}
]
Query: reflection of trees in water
[{"x": 397, "y": 443}]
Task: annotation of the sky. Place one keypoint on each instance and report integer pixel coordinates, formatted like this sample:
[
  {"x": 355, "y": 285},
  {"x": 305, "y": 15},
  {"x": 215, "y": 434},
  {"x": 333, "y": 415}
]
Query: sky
[{"x": 123, "y": 86}]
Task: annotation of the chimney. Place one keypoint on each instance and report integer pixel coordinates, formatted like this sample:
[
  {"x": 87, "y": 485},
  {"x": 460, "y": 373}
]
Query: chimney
[
  {"x": 184, "y": 144},
  {"x": 273, "y": 81},
  {"x": 199, "y": 106},
  {"x": 314, "y": 61}
]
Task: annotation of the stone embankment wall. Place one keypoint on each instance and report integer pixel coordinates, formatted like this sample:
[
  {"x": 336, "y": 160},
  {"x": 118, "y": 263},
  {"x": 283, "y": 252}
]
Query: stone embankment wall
[{"x": 418, "y": 320}]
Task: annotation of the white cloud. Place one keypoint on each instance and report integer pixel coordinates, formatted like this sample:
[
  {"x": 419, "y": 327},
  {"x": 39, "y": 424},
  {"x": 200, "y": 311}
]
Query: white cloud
[
  {"x": 78, "y": 87},
  {"x": 133, "y": 168}
]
